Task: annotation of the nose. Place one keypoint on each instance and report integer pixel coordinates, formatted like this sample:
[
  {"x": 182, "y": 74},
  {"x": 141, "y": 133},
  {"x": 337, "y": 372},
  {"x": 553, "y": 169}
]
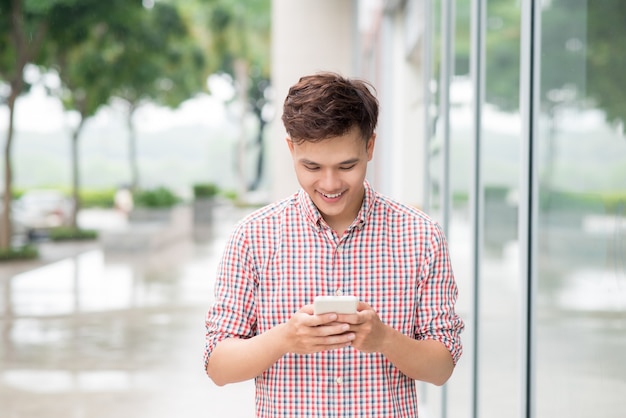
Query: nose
[{"x": 330, "y": 181}]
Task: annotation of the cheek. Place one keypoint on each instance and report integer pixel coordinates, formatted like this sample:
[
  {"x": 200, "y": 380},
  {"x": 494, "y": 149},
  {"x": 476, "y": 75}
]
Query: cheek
[
  {"x": 305, "y": 177},
  {"x": 355, "y": 176}
]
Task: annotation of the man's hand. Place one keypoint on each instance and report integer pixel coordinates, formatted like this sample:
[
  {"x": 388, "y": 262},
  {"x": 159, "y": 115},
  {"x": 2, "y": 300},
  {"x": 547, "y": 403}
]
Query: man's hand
[
  {"x": 307, "y": 333},
  {"x": 239, "y": 359},
  {"x": 370, "y": 333}
]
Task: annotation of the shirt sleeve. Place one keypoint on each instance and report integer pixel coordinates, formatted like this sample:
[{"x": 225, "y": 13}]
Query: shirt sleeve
[
  {"x": 438, "y": 294},
  {"x": 233, "y": 314}
]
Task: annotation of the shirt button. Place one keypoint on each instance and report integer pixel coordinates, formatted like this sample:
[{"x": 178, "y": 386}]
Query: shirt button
[
  {"x": 339, "y": 380},
  {"x": 339, "y": 292}
]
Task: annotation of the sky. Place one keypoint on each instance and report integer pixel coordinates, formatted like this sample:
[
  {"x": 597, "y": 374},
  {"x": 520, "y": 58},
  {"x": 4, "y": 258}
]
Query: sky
[
  {"x": 39, "y": 112},
  {"x": 193, "y": 141}
]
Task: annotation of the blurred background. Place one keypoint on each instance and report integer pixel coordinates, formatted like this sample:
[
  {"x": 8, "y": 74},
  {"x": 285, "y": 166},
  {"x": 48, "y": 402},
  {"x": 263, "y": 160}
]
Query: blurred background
[{"x": 136, "y": 133}]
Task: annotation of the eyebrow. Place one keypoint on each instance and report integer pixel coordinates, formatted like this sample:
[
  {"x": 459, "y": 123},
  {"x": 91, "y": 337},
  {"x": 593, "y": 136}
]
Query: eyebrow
[{"x": 349, "y": 161}]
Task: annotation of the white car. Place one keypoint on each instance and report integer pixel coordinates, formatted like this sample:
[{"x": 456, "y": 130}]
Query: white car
[
  {"x": 40, "y": 210},
  {"x": 18, "y": 231}
]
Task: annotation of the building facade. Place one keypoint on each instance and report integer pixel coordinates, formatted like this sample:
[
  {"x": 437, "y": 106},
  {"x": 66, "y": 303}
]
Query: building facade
[{"x": 504, "y": 120}]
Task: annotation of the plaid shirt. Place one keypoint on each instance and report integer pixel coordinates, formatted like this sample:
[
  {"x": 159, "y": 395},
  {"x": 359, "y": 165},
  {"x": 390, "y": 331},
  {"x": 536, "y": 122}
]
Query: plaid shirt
[{"x": 280, "y": 257}]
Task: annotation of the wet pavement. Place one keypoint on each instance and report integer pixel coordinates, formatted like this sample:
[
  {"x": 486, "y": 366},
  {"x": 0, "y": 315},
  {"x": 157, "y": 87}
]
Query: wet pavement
[{"x": 87, "y": 332}]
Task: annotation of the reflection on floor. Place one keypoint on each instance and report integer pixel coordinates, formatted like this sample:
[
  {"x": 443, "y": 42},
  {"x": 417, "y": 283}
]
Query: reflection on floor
[{"x": 101, "y": 334}]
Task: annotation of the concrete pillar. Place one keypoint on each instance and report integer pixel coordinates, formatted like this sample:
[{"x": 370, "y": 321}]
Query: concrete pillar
[{"x": 307, "y": 37}]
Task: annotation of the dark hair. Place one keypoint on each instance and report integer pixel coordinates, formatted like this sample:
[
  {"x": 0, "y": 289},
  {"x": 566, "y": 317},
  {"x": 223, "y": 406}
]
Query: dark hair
[{"x": 325, "y": 105}]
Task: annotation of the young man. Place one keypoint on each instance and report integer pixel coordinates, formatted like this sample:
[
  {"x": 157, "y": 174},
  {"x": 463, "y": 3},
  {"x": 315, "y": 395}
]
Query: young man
[{"x": 336, "y": 236}]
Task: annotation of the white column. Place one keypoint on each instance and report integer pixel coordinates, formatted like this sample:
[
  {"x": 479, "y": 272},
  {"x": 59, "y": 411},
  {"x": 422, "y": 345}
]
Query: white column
[{"x": 307, "y": 37}]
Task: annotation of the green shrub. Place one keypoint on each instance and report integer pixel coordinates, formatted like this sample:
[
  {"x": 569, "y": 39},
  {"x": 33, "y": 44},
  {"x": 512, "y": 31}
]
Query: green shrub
[
  {"x": 69, "y": 233},
  {"x": 614, "y": 203},
  {"x": 103, "y": 198},
  {"x": 204, "y": 190},
  {"x": 27, "y": 252},
  {"x": 231, "y": 195},
  {"x": 160, "y": 197},
  {"x": 89, "y": 198}
]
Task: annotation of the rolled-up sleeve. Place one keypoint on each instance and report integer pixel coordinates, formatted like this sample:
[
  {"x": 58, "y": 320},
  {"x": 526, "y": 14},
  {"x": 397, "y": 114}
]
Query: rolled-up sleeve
[
  {"x": 437, "y": 294},
  {"x": 233, "y": 313}
]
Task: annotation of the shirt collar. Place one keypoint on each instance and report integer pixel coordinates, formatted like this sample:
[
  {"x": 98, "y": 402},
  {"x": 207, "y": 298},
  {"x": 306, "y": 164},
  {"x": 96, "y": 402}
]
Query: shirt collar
[{"x": 313, "y": 214}]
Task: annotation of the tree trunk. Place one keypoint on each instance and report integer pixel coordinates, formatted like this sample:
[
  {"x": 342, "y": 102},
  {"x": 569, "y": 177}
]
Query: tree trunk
[
  {"x": 24, "y": 52},
  {"x": 6, "y": 227},
  {"x": 256, "y": 182},
  {"x": 76, "y": 173},
  {"x": 132, "y": 149},
  {"x": 241, "y": 79}
]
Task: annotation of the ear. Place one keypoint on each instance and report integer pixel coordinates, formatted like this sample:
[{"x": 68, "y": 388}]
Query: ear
[
  {"x": 370, "y": 147},
  {"x": 289, "y": 144}
]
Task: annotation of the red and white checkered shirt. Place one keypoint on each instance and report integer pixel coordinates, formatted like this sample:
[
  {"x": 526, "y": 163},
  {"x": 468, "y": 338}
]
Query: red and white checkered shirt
[{"x": 280, "y": 257}]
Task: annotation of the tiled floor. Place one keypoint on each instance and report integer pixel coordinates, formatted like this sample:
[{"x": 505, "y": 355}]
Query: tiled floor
[{"x": 93, "y": 333}]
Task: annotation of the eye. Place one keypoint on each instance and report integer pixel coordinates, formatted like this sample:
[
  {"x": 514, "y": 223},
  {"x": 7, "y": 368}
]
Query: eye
[
  {"x": 347, "y": 167},
  {"x": 311, "y": 167}
]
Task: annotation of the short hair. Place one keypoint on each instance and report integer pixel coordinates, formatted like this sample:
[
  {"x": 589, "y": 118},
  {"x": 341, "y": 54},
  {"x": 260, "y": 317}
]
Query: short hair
[{"x": 326, "y": 105}]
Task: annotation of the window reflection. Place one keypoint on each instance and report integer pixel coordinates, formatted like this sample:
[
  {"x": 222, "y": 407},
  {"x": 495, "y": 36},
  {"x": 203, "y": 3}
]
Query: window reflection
[
  {"x": 582, "y": 163},
  {"x": 581, "y": 245}
]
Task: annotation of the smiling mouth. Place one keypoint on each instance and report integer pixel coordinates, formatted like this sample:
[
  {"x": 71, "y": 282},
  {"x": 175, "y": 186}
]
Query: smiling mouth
[{"x": 331, "y": 196}]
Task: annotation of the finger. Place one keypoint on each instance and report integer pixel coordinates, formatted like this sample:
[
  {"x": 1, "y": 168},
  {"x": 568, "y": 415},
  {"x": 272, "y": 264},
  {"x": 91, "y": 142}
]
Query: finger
[
  {"x": 307, "y": 309},
  {"x": 325, "y": 319},
  {"x": 307, "y": 317},
  {"x": 362, "y": 306},
  {"x": 353, "y": 319},
  {"x": 336, "y": 340},
  {"x": 336, "y": 328}
]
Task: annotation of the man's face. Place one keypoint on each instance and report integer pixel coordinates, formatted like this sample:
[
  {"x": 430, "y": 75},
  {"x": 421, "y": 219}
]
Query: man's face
[{"x": 332, "y": 173}]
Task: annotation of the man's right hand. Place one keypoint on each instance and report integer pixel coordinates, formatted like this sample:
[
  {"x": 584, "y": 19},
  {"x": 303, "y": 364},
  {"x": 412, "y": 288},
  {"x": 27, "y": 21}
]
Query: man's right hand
[{"x": 307, "y": 333}]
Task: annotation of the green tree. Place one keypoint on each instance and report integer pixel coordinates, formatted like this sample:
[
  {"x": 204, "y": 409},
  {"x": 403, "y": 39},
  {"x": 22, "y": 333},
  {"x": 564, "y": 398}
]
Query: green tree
[
  {"x": 99, "y": 49},
  {"x": 108, "y": 59},
  {"x": 605, "y": 60},
  {"x": 16, "y": 50},
  {"x": 579, "y": 44},
  {"x": 239, "y": 45},
  {"x": 25, "y": 28},
  {"x": 82, "y": 58},
  {"x": 157, "y": 61}
]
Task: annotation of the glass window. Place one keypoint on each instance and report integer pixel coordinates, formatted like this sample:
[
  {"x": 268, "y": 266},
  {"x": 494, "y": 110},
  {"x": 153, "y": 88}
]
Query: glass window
[
  {"x": 581, "y": 272},
  {"x": 430, "y": 397},
  {"x": 499, "y": 291},
  {"x": 435, "y": 167},
  {"x": 459, "y": 229}
]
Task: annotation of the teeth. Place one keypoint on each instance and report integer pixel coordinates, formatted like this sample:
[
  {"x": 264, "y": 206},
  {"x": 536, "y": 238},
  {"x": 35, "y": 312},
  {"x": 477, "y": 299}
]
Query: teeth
[{"x": 332, "y": 196}]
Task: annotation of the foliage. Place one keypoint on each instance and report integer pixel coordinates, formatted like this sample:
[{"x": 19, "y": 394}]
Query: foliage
[
  {"x": 90, "y": 198},
  {"x": 239, "y": 39},
  {"x": 154, "y": 59},
  {"x": 239, "y": 31},
  {"x": 103, "y": 198},
  {"x": 71, "y": 233},
  {"x": 607, "y": 203},
  {"x": 576, "y": 34},
  {"x": 204, "y": 190},
  {"x": 605, "y": 60},
  {"x": 160, "y": 197},
  {"x": 23, "y": 27},
  {"x": 502, "y": 39},
  {"x": 86, "y": 78},
  {"x": 29, "y": 30},
  {"x": 27, "y": 252},
  {"x": 231, "y": 195}
]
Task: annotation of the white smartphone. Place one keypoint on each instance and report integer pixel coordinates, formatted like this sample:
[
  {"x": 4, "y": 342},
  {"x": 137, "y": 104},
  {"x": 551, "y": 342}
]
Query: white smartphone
[{"x": 335, "y": 304}]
